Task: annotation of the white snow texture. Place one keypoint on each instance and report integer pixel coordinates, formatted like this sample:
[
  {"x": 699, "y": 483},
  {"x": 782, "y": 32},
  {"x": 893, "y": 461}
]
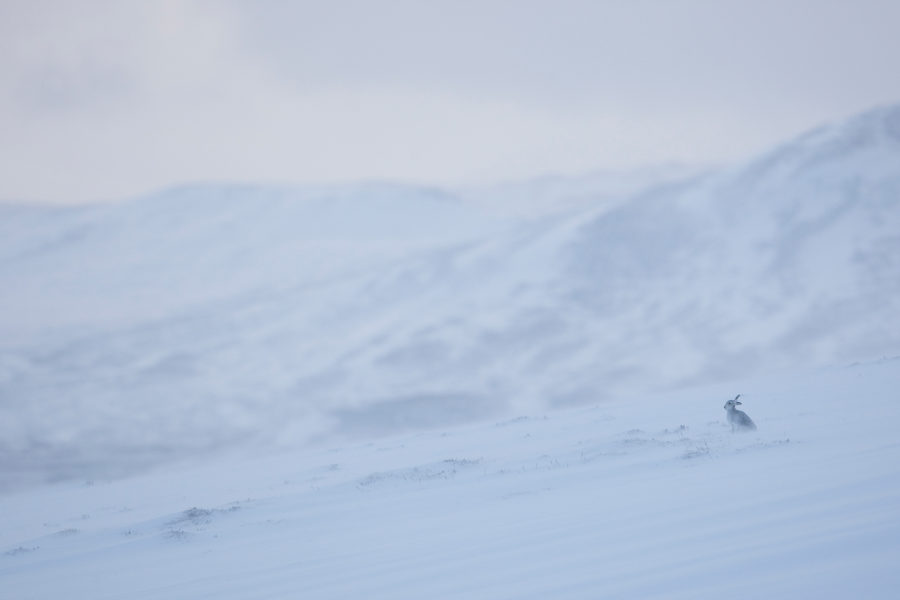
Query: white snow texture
[{"x": 398, "y": 392}]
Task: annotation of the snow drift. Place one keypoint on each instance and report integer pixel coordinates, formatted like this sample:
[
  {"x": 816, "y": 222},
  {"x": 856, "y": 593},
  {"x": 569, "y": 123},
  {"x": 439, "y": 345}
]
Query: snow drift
[{"x": 647, "y": 497}]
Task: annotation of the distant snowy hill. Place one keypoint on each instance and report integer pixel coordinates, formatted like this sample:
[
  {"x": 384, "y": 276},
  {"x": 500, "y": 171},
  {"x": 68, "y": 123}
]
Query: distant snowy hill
[
  {"x": 211, "y": 314},
  {"x": 76, "y": 267},
  {"x": 792, "y": 259}
]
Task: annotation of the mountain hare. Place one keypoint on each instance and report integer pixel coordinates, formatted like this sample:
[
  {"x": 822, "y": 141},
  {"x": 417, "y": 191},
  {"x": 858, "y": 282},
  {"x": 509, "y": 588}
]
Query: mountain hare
[{"x": 737, "y": 418}]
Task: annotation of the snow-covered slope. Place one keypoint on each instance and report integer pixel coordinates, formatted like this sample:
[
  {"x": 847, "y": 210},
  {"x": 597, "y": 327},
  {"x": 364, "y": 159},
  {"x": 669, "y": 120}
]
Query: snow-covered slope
[
  {"x": 792, "y": 259},
  {"x": 644, "y": 497},
  {"x": 131, "y": 331},
  {"x": 752, "y": 269},
  {"x": 211, "y": 315},
  {"x": 80, "y": 268}
]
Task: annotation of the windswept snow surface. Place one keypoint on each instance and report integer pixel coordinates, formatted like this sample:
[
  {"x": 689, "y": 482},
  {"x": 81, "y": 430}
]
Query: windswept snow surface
[
  {"x": 189, "y": 321},
  {"x": 643, "y": 497}
]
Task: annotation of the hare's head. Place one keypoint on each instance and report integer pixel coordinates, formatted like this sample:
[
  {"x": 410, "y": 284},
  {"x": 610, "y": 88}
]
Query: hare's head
[{"x": 732, "y": 403}]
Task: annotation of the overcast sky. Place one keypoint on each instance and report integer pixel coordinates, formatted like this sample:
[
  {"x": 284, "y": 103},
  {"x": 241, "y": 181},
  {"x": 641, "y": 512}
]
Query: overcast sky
[{"x": 105, "y": 99}]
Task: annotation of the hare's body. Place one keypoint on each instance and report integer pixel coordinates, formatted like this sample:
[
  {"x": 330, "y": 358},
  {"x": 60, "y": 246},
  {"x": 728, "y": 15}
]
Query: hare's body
[{"x": 738, "y": 419}]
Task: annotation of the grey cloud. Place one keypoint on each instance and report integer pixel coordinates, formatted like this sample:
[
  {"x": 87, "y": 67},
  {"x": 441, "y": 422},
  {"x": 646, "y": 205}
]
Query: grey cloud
[
  {"x": 52, "y": 87},
  {"x": 438, "y": 91},
  {"x": 577, "y": 51}
]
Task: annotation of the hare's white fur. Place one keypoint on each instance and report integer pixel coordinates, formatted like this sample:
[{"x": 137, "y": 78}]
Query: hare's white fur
[{"x": 738, "y": 419}]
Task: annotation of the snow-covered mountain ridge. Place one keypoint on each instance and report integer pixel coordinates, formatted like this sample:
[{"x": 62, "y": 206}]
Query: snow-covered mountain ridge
[{"x": 214, "y": 314}]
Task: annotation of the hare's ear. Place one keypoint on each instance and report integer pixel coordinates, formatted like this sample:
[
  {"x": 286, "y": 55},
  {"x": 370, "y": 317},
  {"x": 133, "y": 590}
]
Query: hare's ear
[{"x": 736, "y": 398}]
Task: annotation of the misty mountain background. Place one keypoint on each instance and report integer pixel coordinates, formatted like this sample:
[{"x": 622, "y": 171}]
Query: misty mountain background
[{"x": 210, "y": 315}]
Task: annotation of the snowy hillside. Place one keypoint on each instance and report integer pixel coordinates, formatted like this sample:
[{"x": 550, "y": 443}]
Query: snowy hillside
[
  {"x": 644, "y": 497},
  {"x": 195, "y": 245},
  {"x": 206, "y": 316}
]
